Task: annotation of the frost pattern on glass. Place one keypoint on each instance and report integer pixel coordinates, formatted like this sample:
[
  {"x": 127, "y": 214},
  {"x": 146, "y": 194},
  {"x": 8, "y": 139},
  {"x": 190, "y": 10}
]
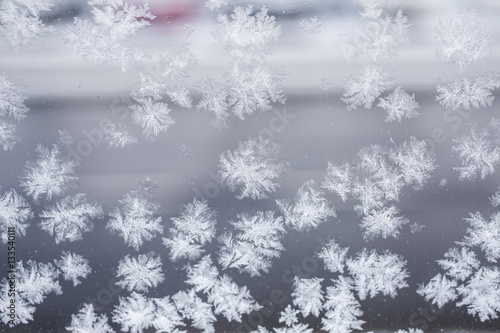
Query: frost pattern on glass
[
  {"x": 252, "y": 169},
  {"x": 11, "y": 106},
  {"x": 70, "y": 218},
  {"x": 136, "y": 222},
  {"x": 140, "y": 273},
  {"x": 192, "y": 229},
  {"x": 15, "y": 212}
]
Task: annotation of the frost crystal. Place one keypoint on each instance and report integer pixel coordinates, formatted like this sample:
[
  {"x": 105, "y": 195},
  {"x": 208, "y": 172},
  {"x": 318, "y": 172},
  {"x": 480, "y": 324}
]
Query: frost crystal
[
  {"x": 252, "y": 168},
  {"x": 193, "y": 229},
  {"x": 230, "y": 300},
  {"x": 289, "y": 316},
  {"x": 485, "y": 234},
  {"x": 87, "y": 321},
  {"x": 333, "y": 256},
  {"x": 12, "y": 106},
  {"x": 118, "y": 136},
  {"x": 384, "y": 222},
  {"x": 440, "y": 290},
  {"x": 214, "y": 99},
  {"x": 309, "y": 210},
  {"x": 462, "y": 40},
  {"x": 338, "y": 180},
  {"x": 308, "y": 296},
  {"x": 311, "y": 25},
  {"x": 377, "y": 273},
  {"x": 495, "y": 199},
  {"x": 134, "y": 313},
  {"x": 136, "y": 222},
  {"x": 256, "y": 243},
  {"x": 365, "y": 88},
  {"x": 215, "y": 4},
  {"x": 113, "y": 22},
  {"x": 15, "y": 212},
  {"x": 20, "y": 20},
  {"x": 203, "y": 276},
  {"x": 295, "y": 328},
  {"x": 73, "y": 267},
  {"x": 459, "y": 264},
  {"x": 479, "y": 152},
  {"x": 342, "y": 308},
  {"x": 33, "y": 282},
  {"x": 192, "y": 307},
  {"x": 243, "y": 34},
  {"x": 70, "y": 218},
  {"x": 141, "y": 273},
  {"x": 51, "y": 174},
  {"x": 399, "y": 104}
]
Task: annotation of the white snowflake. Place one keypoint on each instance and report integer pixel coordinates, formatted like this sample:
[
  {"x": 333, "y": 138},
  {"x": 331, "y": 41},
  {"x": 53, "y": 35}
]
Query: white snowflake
[
  {"x": 462, "y": 40},
  {"x": 289, "y": 316},
  {"x": 8, "y": 137},
  {"x": 203, "y": 275},
  {"x": 367, "y": 86},
  {"x": 230, "y": 300},
  {"x": 377, "y": 273},
  {"x": 311, "y": 25},
  {"x": 466, "y": 92},
  {"x": 399, "y": 104},
  {"x": 338, "y": 180},
  {"x": 333, "y": 256},
  {"x": 309, "y": 209},
  {"x": 257, "y": 242},
  {"x": 15, "y": 212},
  {"x": 342, "y": 308},
  {"x": 485, "y": 235},
  {"x": 137, "y": 222},
  {"x": 383, "y": 222},
  {"x": 459, "y": 264},
  {"x": 153, "y": 116},
  {"x": 20, "y": 20},
  {"x": 295, "y": 328},
  {"x": 495, "y": 199},
  {"x": 194, "y": 308},
  {"x": 440, "y": 290},
  {"x": 134, "y": 313},
  {"x": 215, "y": 4},
  {"x": 87, "y": 321},
  {"x": 51, "y": 174},
  {"x": 70, "y": 218},
  {"x": 252, "y": 168},
  {"x": 308, "y": 296},
  {"x": 102, "y": 39},
  {"x": 244, "y": 34},
  {"x": 140, "y": 273},
  {"x": 479, "y": 152},
  {"x": 118, "y": 136},
  {"x": 214, "y": 99},
  {"x": 73, "y": 267},
  {"x": 192, "y": 230}
]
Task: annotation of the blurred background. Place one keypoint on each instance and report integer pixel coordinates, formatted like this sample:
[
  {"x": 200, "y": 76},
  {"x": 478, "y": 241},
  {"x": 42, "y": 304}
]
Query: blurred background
[{"x": 65, "y": 92}]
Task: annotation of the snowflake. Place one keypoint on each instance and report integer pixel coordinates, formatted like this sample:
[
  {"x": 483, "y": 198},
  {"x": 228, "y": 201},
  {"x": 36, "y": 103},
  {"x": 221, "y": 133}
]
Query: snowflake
[
  {"x": 230, "y": 300},
  {"x": 12, "y": 106},
  {"x": 214, "y": 99},
  {"x": 193, "y": 229},
  {"x": 481, "y": 294},
  {"x": 86, "y": 321},
  {"x": 51, "y": 174},
  {"x": 466, "y": 93},
  {"x": 252, "y": 168},
  {"x": 410, "y": 330},
  {"x": 8, "y": 137},
  {"x": 192, "y": 307},
  {"x": 311, "y": 25},
  {"x": 484, "y": 234},
  {"x": 258, "y": 241},
  {"x": 365, "y": 88},
  {"x": 15, "y": 212},
  {"x": 333, "y": 256},
  {"x": 20, "y": 20},
  {"x": 134, "y": 313},
  {"x": 399, "y": 104},
  {"x": 462, "y": 40},
  {"x": 381, "y": 36},
  {"x": 141, "y": 273},
  {"x": 73, "y": 267},
  {"x": 377, "y": 273},
  {"x": 188, "y": 30},
  {"x": 203, "y": 276},
  {"x": 459, "y": 264},
  {"x": 295, "y": 328},
  {"x": 33, "y": 283},
  {"x": 177, "y": 63},
  {"x": 137, "y": 223},
  {"x": 113, "y": 22},
  {"x": 479, "y": 153},
  {"x": 153, "y": 116},
  {"x": 495, "y": 199},
  {"x": 440, "y": 290},
  {"x": 215, "y": 4},
  {"x": 70, "y": 218},
  {"x": 342, "y": 308},
  {"x": 289, "y": 316},
  {"x": 309, "y": 210},
  {"x": 338, "y": 180},
  {"x": 384, "y": 222},
  {"x": 308, "y": 296},
  {"x": 166, "y": 318},
  {"x": 118, "y": 136},
  {"x": 243, "y": 34},
  {"x": 254, "y": 86}
]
